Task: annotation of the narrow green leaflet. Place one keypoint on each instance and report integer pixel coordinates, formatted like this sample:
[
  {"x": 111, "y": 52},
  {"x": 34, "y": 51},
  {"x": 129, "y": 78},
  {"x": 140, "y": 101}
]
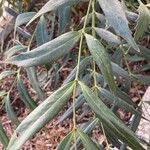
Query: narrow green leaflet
[
  {"x": 83, "y": 65},
  {"x": 2, "y": 93},
  {"x": 1, "y": 11},
  {"x": 10, "y": 111},
  {"x": 87, "y": 141},
  {"x": 51, "y": 5},
  {"x": 135, "y": 58},
  {"x": 144, "y": 80},
  {"x": 3, "y": 137},
  {"x": 111, "y": 137},
  {"x": 117, "y": 19},
  {"x": 42, "y": 32},
  {"x": 143, "y": 21},
  {"x": 131, "y": 16},
  {"x": 23, "y": 18},
  {"x": 64, "y": 15},
  {"x": 24, "y": 95},
  {"x": 89, "y": 18},
  {"x": 108, "y": 36},
  {"x": 144, "y": 52},
  {"x": 6, "y": 74},
  {"x": 79, "y": 102},
  {"x": 66, "y": 142},
  {"x": 87, "y": 129},
  {"x": 125, "y": 97},
  {"x": 48, "y": 52},
  {"x": 40, "y": 116},
  {"x": 118, "y": 71},
  {"x": 15, "y": 49},
  {"x": 32, "y": 75},
  {"x": 42, "y": 35},
  {"x": 110, "y": 120},
  {"x": 121, "y": 103},
  {"x": 102, "y": 59}
]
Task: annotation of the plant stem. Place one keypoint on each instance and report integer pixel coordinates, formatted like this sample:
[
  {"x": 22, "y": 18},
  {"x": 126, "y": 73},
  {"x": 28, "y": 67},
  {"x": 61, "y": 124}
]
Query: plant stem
[
  {"x": 93, "y": 18},
  {"x": 81, "y": 39},
  {"x": 78, "y": 63},
  {"x": 74, "y": 110},
  {"x": 30, "y": 42},
  {"x": 77, "y": 73},
  {"x": 107, "y": 144}
]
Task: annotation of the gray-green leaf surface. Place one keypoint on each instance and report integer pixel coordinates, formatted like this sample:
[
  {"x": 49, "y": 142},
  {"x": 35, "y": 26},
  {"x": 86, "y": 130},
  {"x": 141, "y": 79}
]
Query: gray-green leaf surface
[
  {"x": 24, "y": 95},
  {"x": 109, "y": 119},
  {"x": 87, "y": 141},
  {"x": 40, "y": 116},
  {"x": 101, "y": 57},
  {"x": 66, "y": 142},
  {"x": 3, "y": 137},
  {"x": 48, "y": 52},
  {"x": 51, "y": 5},
  {"x": 10, "y": 111},
  {"x": 117, "y": 19},
  {"x": 143, "y": 21}
]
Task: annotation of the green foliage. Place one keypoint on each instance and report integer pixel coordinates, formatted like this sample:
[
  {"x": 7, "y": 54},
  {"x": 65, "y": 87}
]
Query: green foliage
[
  {"x": 101, "y": 57},
  {"x": 105, "y": 41},
  {"x": 24, "y": 95},
  {"x": 3, "y": 137},
  {"x": 9, "y": 109},
  {"x": 40, "y": 116},
  {"x": 87, "y": 142},
  {"x": 143, "y": 21},
  {"x": 48, "y": 52},
  {"x": 66, "y": 142}
]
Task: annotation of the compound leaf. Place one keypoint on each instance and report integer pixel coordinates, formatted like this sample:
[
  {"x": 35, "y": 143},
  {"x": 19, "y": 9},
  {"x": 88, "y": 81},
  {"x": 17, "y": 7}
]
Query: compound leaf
[
  {"x": 48, "y": 52},
  {"x": 40, "y": 116}
]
